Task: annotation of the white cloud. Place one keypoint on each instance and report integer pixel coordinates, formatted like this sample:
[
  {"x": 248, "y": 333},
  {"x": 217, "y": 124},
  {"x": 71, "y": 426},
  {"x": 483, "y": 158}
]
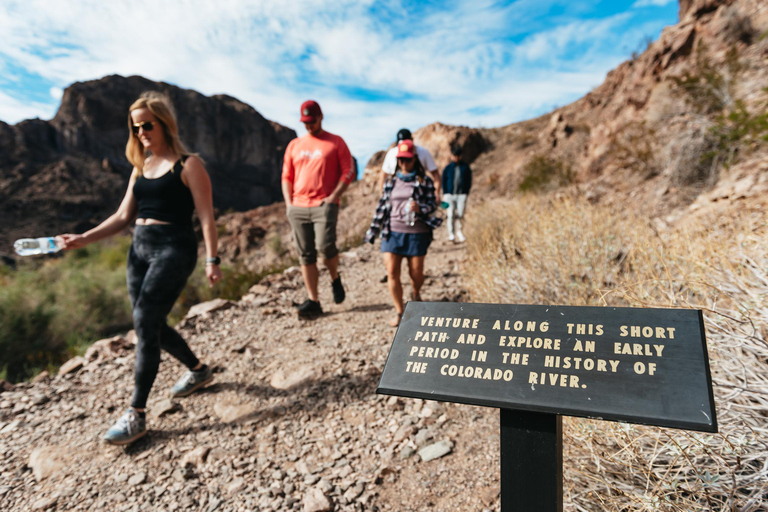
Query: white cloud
[
  {"x": 438, "y": 64},
  {"x": 649, "y": 3},
  {"x": 13, "y": 110}
]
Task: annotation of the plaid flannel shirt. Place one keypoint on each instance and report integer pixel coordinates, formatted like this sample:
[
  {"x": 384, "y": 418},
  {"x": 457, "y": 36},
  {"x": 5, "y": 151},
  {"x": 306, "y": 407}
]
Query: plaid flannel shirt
[{"x": 423, "y": 194}]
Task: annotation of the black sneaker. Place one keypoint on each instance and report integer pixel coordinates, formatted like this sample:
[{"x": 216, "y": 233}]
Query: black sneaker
[
  {"x": 310, "y": 308},
  {"x": 338, "y": 291}
]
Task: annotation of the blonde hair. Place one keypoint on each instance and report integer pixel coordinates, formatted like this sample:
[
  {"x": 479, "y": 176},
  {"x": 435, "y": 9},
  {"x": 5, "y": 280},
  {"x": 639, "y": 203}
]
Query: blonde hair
[{"x": 161, "y": 108}]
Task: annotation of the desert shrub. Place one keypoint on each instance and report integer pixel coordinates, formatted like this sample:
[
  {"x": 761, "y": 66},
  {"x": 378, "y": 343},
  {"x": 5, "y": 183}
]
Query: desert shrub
[
  {"x": 707, "y": 88},
  {"x": 53, "y": 309},
  {"x": 633, "y": 148},
  {"x": 569, "y": 252},
  {"x": 690, "y": 158},
  {"x": 543, "y": 172},
  {"x": 738, "y": 130}
]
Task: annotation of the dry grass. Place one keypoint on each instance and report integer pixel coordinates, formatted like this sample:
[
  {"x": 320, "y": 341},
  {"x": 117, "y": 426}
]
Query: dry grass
[{"x": 568, "y": 252}]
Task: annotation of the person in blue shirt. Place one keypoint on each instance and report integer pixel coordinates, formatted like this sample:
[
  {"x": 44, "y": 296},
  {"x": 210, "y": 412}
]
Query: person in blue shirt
[{"x": 456, "y": 183}]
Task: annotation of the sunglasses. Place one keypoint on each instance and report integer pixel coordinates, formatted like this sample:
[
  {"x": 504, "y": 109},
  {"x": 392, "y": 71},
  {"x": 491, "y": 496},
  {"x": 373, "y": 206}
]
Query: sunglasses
[{"x": 147, "y": 126}]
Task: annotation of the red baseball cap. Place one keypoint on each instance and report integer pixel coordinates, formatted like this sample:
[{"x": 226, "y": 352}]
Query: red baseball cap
[
  {"x": 405, "y": 149},
  {"x": 310, "y": 110}
]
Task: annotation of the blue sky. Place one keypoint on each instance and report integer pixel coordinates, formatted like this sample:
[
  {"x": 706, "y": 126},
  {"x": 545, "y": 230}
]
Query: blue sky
[{"x": 374, "y": 66}]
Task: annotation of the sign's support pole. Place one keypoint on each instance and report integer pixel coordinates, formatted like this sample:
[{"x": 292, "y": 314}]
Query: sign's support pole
[{"x": 531, "y": 461}]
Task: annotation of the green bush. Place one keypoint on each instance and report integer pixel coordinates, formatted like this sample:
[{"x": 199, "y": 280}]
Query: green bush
[{"x": 54, "y": 308}]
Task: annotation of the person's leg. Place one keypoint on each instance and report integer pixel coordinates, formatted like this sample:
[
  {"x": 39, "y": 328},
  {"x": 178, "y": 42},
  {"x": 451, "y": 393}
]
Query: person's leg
[
  {"x": 303, "y": 230},
  {"x": 325, "y": 220},
  {"x": 461, "y": 202},
  {"x": 450, "y": 213},
  {"x": 310, "y": 274},
  {"x": 416, "y": 273},
  {"x": 173, "y": 258},
  {"x": 332, "y": 265},
  {"x": 393, "y": 262}
]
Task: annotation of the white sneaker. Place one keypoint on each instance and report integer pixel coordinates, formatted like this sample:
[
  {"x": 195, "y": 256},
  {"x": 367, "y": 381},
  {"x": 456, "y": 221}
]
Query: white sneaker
[
  {"x": 460, "y": 237},
  {"x": 451, "y": 238}
]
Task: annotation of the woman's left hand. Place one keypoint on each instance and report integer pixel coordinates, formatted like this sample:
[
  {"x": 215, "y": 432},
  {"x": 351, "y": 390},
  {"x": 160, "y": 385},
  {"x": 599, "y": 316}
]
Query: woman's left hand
[
  {"x": 213, "y": 273},
  {"x": 413, "y": 206}
]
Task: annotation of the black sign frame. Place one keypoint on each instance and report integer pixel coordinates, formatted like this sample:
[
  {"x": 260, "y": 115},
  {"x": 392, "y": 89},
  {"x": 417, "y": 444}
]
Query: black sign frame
[{"x": 691, "y": 374}]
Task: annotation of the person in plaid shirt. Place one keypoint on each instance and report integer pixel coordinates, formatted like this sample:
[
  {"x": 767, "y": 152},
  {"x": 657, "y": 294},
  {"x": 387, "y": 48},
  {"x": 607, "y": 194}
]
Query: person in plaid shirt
[{"x": 404, "y": 221}]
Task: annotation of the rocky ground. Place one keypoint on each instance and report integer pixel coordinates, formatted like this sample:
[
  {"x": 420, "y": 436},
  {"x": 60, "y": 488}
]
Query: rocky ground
[{"x": 292, "y": 421}]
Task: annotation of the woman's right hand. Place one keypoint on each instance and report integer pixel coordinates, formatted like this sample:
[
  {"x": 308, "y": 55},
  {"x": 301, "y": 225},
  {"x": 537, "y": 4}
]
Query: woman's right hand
[{"x": 69, "y": 241}]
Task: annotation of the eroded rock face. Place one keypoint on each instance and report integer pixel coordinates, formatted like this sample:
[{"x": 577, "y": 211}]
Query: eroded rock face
[{"x": 70, "y": 173}]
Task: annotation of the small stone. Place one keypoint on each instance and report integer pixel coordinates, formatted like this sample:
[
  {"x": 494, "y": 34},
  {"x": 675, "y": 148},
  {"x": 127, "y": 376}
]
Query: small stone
[
  {"x": 489, "y": 495},
  {"x": 39, "y": 399},
  {"x": 205, "y": 308},
  {"x": 311, "y": 479},
  {"x": 435, "y": 451},
  {"x": 230, "y": 412},
  {"x": 316, "y": 501},
  {"x": 196, "y": 457},
  {"x": 354, "y": 492},
  {"x": 137, "y": 479},
  {"x": 324, "y": 485},
  {"x": 403, "y": 433},
  {"x": 6, "y": 386},
  {"x": 44, "y": 503},
  {"x": 40, "y": 377},
  {"x": 407, "y": 452},
  {"x": 72, "y": 365},
  {"x": 237, "y": 485},
  {"x": 294, "y": 379},
  {"x": 46, "y": 461},
  {"x": 166, "y": 406},
  {"x": 303, "y": 468}
]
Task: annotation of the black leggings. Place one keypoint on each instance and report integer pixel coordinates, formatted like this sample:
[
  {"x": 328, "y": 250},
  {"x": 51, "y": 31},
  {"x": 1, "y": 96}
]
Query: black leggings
[{"x": 161, "y": 259}]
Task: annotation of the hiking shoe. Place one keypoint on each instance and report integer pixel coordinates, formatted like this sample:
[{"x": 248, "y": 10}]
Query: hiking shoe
[
  {"x": 309, "y": 309},
  {"x": 192, "y": 381},
  {"x": 338, "y": 290},
  {"x": 128, "y": 428}
]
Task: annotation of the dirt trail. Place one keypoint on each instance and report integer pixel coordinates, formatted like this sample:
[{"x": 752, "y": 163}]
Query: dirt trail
[{"x": 291, "y": 423}]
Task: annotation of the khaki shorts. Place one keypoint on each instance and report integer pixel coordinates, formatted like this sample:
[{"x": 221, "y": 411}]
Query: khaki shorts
[{"x": 314, "y": 230}]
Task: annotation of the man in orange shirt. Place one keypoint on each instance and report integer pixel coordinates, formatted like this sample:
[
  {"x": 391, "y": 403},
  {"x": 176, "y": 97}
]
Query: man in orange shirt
[{"x": 317, "y": 169}]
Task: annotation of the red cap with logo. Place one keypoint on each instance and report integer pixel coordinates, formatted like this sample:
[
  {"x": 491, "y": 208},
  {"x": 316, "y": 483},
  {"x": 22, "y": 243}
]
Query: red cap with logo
[
  {"x": 310, "y": 110},
  {"x": 405, "y": 149}
]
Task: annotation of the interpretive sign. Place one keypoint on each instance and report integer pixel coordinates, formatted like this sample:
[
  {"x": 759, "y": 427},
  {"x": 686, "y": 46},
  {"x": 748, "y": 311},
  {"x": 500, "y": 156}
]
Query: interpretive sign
[{"x": 646, "y": 366}]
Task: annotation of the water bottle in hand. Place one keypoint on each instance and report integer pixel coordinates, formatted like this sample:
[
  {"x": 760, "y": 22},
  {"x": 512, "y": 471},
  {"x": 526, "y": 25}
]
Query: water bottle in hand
[
  {"x": 32, "y": 246},
  {"x": 410, "y": 216}
]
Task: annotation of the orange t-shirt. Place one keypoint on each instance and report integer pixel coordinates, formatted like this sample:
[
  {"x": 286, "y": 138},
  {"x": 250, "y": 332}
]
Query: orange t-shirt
[{"x": 315, "y": 166}]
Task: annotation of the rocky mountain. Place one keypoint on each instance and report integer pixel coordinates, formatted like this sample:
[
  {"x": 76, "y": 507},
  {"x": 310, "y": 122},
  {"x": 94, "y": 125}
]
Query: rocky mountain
[
  {"x": 70, "y": 172},
  {"x": 678, "y": 127}
]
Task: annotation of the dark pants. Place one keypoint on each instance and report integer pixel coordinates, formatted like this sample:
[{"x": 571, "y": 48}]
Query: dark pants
[{"x": 160, "y": 261}]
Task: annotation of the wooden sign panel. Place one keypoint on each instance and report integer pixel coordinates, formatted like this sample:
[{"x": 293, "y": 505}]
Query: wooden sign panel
[{"x": 646, "y": 366}]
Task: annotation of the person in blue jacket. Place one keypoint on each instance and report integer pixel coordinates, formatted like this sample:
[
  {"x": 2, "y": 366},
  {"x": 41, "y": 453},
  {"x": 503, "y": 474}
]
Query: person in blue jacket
[{"x": 456, "y": 183}]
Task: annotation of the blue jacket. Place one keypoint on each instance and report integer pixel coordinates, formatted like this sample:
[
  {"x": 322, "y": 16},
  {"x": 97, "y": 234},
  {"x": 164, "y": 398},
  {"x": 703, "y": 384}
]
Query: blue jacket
[{"x": 465, "y": 178}]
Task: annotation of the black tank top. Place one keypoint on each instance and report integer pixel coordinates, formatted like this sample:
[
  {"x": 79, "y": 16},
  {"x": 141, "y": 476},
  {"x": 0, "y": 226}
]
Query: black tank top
[{"x": 166, "y": 198}]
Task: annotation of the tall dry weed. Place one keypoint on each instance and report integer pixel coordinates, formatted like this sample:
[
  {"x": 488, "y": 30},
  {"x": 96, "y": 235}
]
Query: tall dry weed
[{"x": 565, "y": 251}]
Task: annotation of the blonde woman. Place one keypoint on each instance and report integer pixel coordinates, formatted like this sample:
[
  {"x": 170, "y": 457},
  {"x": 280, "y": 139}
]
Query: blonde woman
[{"x": 167, "y": 184}]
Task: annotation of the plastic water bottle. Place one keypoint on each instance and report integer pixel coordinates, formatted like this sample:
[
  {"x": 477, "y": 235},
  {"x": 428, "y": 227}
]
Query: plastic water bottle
[
  {"x": 410, "y": 216},
  {"x": 32, "y": 246}
]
